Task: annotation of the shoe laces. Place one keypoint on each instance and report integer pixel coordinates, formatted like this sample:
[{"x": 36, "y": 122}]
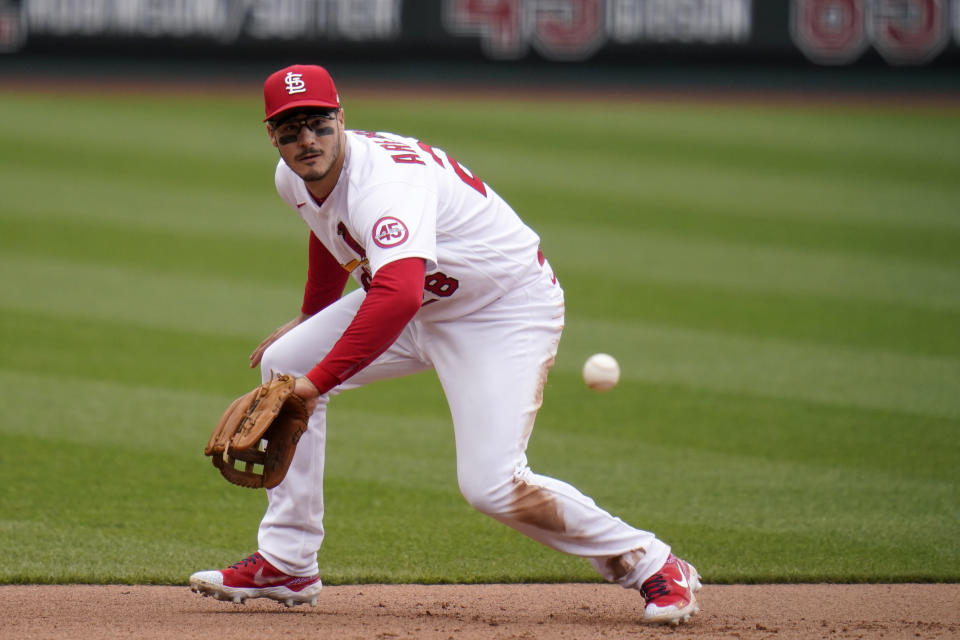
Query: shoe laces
[
  {"x": 251, "y": 559},
  {"x": 655, "y": 587}
]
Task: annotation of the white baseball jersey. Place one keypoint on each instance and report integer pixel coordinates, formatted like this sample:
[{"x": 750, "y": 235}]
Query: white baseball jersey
[{"x": 399, "y": 198}]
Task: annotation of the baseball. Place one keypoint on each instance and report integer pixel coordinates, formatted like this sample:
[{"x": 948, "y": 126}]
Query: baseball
[{"x": 601, "y": 372}]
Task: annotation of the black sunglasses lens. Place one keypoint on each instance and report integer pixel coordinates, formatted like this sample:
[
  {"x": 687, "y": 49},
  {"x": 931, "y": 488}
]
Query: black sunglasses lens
[{"x": 289, "y": 130}]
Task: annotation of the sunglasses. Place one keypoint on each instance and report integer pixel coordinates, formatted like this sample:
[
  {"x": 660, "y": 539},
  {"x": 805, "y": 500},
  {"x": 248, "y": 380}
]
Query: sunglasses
[{"x": 288, "y": 131}]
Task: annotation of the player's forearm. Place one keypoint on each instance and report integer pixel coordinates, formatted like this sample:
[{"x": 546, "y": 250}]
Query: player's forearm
[{"x": 395, "y": 296}]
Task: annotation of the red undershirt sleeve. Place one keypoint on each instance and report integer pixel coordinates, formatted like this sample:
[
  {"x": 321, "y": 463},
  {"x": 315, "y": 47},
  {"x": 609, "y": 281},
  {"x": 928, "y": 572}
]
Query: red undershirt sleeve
[
  {"x": 394, "y": 297},
  {"x": 325, "y": 278}
]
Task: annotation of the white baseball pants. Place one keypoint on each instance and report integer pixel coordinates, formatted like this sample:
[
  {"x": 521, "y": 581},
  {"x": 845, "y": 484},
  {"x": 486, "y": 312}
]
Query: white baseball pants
[{"x": 492, "y": 365}]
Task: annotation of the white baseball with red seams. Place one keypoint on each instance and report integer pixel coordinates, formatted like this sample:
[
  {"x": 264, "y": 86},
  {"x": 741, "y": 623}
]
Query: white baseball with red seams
[
  {"x": 601, "y": 372},
  {"x": 490, "y": 324}
]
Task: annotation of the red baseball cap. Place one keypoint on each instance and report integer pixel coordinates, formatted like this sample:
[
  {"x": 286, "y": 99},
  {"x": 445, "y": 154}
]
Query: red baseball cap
[{"x": 299, "y": 86}]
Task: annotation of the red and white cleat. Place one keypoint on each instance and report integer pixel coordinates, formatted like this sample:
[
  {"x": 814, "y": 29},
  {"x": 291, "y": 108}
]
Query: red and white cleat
[
  {"x": 670, "y": 593},
  {"x": 254, "y": 577}
]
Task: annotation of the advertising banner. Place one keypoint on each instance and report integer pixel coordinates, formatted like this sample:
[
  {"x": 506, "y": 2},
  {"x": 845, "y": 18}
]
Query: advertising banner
[{"x": 815, "y": 32}]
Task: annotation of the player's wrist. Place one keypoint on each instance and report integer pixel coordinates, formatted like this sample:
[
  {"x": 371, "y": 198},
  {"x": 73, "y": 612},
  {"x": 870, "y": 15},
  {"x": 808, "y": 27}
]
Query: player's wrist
[{"x": 320, "y": 380}]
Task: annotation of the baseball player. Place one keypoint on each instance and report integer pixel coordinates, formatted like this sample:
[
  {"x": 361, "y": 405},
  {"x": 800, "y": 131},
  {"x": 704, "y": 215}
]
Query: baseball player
[{"x": 451, "y": 280}]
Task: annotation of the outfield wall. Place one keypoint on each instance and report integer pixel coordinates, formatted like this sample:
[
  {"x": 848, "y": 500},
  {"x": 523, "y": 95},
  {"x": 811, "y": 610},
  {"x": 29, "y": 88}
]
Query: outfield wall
[{"x": 894, "y": 33}]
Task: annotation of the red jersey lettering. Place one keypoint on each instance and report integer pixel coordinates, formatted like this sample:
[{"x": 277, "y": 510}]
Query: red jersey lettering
[
  {"x": 407, "y": 158},
  {"x": 433, "y": 154},
  {"x": 465, "y": 175}
]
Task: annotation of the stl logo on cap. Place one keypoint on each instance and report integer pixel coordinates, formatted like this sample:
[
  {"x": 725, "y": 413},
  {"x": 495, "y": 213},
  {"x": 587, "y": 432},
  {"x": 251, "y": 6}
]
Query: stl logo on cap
[{"x": 295, "y": 83}]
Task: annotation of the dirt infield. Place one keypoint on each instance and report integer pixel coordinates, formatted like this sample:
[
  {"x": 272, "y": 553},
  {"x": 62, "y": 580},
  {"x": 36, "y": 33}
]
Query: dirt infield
[{"x": 468, "y": 612}]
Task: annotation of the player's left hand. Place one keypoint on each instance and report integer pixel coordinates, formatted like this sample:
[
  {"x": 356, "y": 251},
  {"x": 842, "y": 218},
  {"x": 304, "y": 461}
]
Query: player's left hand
[{"x": 306, "y": 390}]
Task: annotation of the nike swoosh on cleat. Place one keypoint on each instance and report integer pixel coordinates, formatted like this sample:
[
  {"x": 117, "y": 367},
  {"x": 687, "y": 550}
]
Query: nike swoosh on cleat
[
  {"x": 682, "y": 583},
  {"x": 260, "y": 581}
]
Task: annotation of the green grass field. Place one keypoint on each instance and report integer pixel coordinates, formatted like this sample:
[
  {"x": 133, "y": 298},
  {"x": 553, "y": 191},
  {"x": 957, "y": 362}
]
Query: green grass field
[{"x": 781, "y": 285}]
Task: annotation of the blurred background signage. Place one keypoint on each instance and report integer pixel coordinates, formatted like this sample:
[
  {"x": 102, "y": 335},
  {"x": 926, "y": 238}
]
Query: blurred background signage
[{"x": 823, "y": 32}]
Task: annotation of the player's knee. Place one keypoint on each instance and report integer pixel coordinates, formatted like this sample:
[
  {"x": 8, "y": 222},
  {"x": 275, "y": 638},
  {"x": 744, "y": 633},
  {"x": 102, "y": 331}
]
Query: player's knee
[
  {"x": 487, "y": 493},
  {"x": 269, "y": 362},
  {"x": 277, "y": 359}
]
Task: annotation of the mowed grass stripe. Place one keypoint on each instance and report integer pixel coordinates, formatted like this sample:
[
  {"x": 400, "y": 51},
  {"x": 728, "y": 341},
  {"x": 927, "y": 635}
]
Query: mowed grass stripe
[
  {"x": 119, "y": 512},
  {"x": 758, "y": 191},
  {"x": 777, "y": 140},
  {"x": 143, "y": 205},
  {"x": 73, "y": 347},
  {"x": 134, "y": 135},
  {"x": 758, "y": 558},
  {"x": 197, "y": 302},
  {"x": 123, "y": 412},
  {"x": 817, "y": 435},
  {"x": 745, "y": 267},
  {"x": 226, "y": 253},
  {"x": 808, "y": 318},
  {"x": 923, "y": 385},
  {"x": 753, "y": 224},
  {"x": 179, "y": 167},
  {"x": 627, "y": 166}
]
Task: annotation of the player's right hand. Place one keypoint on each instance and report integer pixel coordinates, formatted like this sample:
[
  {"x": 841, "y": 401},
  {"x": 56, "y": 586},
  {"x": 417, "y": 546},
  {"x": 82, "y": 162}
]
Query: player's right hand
[{"x": 273, "y": 337}]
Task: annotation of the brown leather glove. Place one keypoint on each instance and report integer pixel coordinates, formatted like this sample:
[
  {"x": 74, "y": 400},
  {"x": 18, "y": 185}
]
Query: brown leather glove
[{"x": 257, "y": 435}]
